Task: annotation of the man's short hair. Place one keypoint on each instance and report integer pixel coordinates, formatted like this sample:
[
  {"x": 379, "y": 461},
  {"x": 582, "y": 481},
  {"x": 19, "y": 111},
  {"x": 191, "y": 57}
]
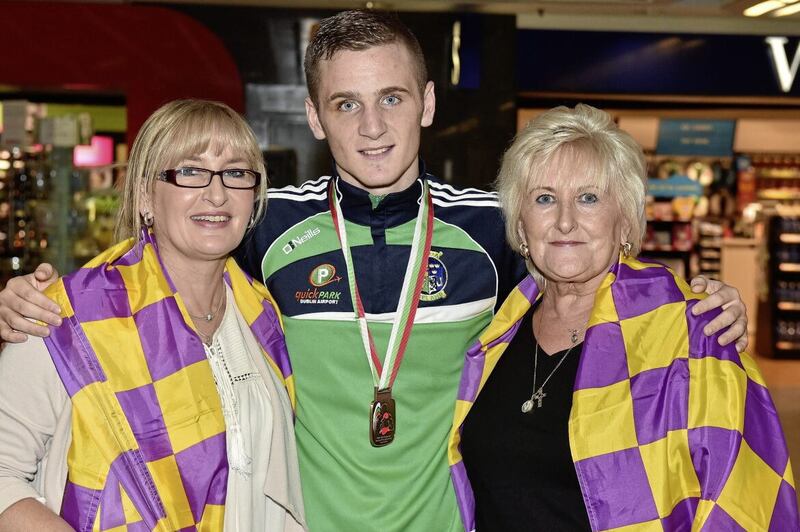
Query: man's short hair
[{"x": 355, "y": 31}]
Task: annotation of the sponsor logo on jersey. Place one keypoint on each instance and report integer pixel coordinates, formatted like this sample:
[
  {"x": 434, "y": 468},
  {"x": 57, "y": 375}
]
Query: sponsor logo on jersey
[
  {"x": 315, "y": 296},
  {"x": 436, "y": 278},
  {"x": 322, "y": 275},
  {"x": 292, "y": 244}
]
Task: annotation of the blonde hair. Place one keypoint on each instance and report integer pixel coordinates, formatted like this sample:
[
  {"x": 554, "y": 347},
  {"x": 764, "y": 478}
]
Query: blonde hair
[
  {"x": 585, "y": 136},
  {"x": 178, "y": 130}
]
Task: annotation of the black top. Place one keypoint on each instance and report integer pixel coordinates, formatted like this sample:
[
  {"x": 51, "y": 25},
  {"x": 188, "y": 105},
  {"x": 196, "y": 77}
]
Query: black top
[{"x": 519, "y": 464}]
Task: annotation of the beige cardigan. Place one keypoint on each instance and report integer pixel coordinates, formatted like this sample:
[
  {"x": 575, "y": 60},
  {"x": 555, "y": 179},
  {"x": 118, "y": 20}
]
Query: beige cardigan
[{"x": 35, "y": 432}]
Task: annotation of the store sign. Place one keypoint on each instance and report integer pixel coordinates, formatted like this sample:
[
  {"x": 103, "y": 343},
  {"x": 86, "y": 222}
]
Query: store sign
[
  {"x": 674, "y": 187},
  {"x": 99, "y": 153},
  {"x": 712, "y": 138},
  {"x": 780, "y": 62},
  {"x": 696, "y": 65}
]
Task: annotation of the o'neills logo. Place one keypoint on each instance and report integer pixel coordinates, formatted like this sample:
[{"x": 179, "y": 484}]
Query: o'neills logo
[{"x": 300, "y": 240}]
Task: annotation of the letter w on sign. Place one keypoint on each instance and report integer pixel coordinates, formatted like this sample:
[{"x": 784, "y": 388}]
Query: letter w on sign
[{"x": 784, "y": 71}]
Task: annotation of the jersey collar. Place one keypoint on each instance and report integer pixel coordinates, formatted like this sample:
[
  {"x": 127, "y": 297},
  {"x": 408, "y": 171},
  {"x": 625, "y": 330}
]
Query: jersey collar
[{"x": 392, "y": 210}]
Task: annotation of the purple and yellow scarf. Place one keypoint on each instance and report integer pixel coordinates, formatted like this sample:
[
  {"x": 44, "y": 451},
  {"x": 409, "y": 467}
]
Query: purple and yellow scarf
[
  {"x": 148, "y": 434},
  {"x": 668, "y": 430}
]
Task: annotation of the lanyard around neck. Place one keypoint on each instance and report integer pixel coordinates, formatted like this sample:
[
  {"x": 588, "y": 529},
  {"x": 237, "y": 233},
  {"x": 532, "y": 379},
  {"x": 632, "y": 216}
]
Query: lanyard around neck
[{"x": 416, "y": 270}]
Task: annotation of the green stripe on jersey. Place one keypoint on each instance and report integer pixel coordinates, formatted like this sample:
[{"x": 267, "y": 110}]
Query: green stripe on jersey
[
  {"x": 444, "y": 236},
  {"x": 312, "y": 237}
]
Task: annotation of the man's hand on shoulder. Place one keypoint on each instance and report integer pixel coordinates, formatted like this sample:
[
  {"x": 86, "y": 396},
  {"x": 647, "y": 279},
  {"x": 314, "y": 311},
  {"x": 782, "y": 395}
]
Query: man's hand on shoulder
[
  {"x": 733, "y": 315},
  {"x": 22, "y": 301}
]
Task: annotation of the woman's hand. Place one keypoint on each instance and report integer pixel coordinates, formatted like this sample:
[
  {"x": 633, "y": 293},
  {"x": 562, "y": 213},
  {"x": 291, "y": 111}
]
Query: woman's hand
[
  {"x": 733, "y": 316},
  {"x": 22, "y": 301}
]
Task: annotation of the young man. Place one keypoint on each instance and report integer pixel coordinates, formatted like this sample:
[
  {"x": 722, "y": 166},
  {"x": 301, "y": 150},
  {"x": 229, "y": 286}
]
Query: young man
[
  {"x": 379, "y": 257},
  {"x": 369, "y": 96}
]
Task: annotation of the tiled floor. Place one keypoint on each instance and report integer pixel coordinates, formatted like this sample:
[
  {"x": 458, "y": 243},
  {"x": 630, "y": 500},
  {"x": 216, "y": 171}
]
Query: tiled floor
[{"x": 783, "y": 380}]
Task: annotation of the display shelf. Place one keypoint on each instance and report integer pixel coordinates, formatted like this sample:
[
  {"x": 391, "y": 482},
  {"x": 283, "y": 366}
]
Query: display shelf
[
  {"x": 666, "y": 219},
  {"x": 787, "y": 346},
  {"x": 779, "y": 173},
  {"x": 778, "y": 194},
  {"x": 778, "y": 331},
  {"x": 666, "y": 248},
  {"x": 675, "y": 187},
  {"x": 43, "y": 212}
]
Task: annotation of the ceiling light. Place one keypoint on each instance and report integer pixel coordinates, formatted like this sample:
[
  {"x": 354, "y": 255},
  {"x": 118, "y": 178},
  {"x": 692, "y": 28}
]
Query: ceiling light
[
  {"x": 788, "y": 10},
  {"x": 763, "y": 7}
]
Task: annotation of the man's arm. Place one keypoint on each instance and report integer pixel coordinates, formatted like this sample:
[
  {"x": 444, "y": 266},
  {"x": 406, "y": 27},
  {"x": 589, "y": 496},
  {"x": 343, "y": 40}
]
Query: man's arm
[
  {"x": 22, "y": 298},
  {"x": 21, "y": 301},
  {"x": 733, "y": 315}
]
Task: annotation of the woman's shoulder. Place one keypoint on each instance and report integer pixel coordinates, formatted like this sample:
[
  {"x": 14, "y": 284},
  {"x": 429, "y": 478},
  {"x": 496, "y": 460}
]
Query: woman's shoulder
[{"x": 664, "y": 284}]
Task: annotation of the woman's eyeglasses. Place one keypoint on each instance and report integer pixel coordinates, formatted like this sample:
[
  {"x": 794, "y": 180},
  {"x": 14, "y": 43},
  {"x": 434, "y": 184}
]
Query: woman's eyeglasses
[{"x": 191, "y": 177}]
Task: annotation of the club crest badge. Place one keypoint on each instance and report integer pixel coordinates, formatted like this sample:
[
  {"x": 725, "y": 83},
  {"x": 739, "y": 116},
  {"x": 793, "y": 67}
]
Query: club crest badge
[{"x": 436, "y": 278}]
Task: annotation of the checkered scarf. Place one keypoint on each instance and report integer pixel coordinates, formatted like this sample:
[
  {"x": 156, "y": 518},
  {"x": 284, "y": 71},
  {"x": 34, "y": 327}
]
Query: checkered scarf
[
  {"x": 148, "y": 434},
  {"x": 668, "y": 430}
]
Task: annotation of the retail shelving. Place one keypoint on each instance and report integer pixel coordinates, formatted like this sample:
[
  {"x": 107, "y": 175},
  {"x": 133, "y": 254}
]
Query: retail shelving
[{"x": 778, "y": 333}]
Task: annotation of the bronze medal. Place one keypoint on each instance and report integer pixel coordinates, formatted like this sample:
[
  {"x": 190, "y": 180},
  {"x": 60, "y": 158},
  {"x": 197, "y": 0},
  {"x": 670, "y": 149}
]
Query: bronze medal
[
  {"x": 382, "y": 421},
  {"x": 382, "y": 418}
]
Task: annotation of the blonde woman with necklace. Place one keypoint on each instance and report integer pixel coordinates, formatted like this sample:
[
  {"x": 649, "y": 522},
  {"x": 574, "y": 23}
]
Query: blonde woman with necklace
[
  {"x": 160, "y": 400},
  {"x": 594, "y": 400}
]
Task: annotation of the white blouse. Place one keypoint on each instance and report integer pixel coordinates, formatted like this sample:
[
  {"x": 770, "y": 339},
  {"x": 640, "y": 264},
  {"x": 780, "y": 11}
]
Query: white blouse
[{"x": 247, "y": 409}]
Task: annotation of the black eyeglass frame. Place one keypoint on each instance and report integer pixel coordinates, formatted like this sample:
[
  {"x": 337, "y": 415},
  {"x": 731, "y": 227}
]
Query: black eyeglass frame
[{"x": 170, "y": 176}]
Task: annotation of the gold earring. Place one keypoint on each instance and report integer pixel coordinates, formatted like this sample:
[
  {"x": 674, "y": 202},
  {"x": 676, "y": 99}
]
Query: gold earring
[{"x": 524, "y": 251}]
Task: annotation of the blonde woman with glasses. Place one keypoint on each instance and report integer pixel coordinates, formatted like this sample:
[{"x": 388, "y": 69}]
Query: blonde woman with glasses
[{"x": 160, "y": 401}]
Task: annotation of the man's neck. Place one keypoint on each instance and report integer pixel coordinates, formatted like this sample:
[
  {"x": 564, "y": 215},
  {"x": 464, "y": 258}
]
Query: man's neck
[
  {"x": 399, "y": 185},
  {"x": 376, "y": 199}
]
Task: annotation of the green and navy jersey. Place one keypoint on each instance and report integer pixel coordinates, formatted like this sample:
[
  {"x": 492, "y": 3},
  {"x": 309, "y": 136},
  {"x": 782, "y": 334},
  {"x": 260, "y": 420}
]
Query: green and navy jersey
[{"x": 347, "y": 483}]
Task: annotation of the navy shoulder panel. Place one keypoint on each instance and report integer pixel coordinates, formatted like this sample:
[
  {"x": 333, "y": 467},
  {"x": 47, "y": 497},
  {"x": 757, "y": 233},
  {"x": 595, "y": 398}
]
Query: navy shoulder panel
[
  {"x": 478, "y": 213},
  {"x": 286, "y": 206}
]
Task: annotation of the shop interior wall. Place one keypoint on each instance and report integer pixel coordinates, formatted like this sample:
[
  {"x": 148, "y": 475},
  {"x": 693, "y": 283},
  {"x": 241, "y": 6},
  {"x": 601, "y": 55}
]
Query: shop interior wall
[
  {"x": 148, "y": 55},
  {"x": 472, "y": 126}
]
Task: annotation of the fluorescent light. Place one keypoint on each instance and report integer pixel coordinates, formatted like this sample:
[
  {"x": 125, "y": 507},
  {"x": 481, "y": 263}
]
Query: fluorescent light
[
  {"x": 762, "y": 7},
  {"x": 788, "y": 10}
]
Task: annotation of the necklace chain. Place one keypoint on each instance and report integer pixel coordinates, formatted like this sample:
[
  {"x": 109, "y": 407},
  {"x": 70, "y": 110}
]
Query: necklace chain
[
  {"x": 538, "y": 395},
  {"x": 210, "y": 316}
]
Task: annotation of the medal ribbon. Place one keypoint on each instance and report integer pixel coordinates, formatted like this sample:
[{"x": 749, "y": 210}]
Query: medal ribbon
[{"x": 413, "y": 280}]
